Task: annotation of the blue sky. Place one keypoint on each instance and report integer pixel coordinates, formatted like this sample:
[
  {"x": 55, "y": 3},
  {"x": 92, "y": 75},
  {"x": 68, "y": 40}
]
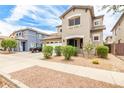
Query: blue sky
[{"x": 41, "y": 17}]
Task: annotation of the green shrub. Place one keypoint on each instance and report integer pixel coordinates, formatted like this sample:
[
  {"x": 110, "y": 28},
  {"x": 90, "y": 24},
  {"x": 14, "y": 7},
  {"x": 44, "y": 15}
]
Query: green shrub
[
  {"x": 67, "y": 52},
  {"x": 47, "y": 51},
  {"x": 75, "y": 51},
  {"x": 58, "y": 50},
  {"x": 102, "y": 51}
]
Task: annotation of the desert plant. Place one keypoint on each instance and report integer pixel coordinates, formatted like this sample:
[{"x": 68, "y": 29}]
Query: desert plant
[
  {"x": 88, "y": 48},
  {"x": 8, "y": 44},
  {"x": 47, "y": 51},
  {"x": 102, "y": 51},
  {"x": 58, "y": 50},
  {"x": 95, "y": 61},
  {"x": 67, "y": 52},
  {"x": 75, "y": 51}
]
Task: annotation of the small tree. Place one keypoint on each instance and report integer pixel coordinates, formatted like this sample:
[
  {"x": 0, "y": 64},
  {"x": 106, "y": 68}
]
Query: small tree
[
  {"x": 113, "y": 8},
  {"x": 8, "y": 44},
  {"x": 88, "y": 48}
]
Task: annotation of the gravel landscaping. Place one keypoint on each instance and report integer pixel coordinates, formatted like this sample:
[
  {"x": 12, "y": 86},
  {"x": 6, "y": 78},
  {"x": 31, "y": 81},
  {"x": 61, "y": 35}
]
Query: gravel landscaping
[
  {"x": 6, "y": 84},
  {"x": 39, "y": 77},
  {"x": 108, "y": 64}
]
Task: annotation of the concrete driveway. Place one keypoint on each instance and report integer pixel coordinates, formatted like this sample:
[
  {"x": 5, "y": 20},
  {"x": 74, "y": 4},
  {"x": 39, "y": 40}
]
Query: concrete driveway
[{"x": 15, "y": 62}]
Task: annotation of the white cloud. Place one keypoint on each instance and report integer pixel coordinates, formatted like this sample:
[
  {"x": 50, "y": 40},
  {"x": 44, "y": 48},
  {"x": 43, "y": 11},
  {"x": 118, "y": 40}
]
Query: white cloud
[
  {"x": 6, "y": 28},
  {"x": 18, "y": 12},
  {"x": 37, "y": 13}
]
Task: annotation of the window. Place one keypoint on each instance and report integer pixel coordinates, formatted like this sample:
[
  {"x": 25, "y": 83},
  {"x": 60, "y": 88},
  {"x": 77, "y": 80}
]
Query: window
[
  {"x": 33, "y": 45},
  {"x": 60, "y": 30},
  {"x": 17, "y": 34},
  {"x": 39, "y": 36},
  {"x": 51, "y": 42},
  {"x": 77, "y": 21},
  {"x": 71, "y": 22},
  {"x": 20, "y": 34},
  {"x": 74, "y": 21},
  {"x": 96, "y": 38},
  {"x": 47, "y": 42},
  {"x": 96, "y": 23}
]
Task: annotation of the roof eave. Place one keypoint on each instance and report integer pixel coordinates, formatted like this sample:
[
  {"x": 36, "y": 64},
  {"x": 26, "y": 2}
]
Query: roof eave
[
  {"x": 117, "y": 22},
  {"x": 78, "y": 7}
]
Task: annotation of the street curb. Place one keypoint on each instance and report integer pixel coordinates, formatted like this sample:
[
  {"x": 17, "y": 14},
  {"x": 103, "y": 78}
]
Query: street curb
[{"x": 16, "y": 83}]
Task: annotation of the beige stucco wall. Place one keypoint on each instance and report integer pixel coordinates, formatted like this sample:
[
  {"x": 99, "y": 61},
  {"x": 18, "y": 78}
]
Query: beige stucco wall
[
  {"x": 119, "y": 32},
  {"x": 97, "y": 33},
  {"x": 83, "y": 29},
  {"x": 58, "y": 30},
  {"x": 100, "y": 20}
]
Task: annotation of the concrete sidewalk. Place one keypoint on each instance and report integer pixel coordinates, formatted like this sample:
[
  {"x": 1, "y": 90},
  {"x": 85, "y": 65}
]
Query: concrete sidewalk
[{"x": 20, "y": 63}]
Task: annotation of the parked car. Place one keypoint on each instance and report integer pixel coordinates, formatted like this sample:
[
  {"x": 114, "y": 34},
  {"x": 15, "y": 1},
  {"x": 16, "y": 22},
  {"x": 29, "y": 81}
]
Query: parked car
[{"x": 35, "y": 50}]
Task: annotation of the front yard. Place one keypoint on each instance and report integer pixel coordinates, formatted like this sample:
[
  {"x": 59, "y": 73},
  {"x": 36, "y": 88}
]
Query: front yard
[
  {"x": 34, "y": 71},
  {"x": 111, "y": 63}
]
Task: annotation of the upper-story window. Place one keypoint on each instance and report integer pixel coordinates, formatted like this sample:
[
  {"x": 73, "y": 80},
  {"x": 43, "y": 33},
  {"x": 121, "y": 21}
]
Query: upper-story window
[
  {"x": 74, "y": 21},
  {"x": 60, "y": 30},
  {"x": 39, "y": 36},
  {"x": 96, "y": 23}
]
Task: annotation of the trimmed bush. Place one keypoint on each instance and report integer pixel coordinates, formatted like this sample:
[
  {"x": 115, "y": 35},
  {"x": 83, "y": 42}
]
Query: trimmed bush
[
  {"x": 102, "y": 51},
  {"x": 75, "y": 51},
  {"x": 47, "y": 51},
  {"x": 58, "y": 50},
  {"x": 67, "y": 52}
]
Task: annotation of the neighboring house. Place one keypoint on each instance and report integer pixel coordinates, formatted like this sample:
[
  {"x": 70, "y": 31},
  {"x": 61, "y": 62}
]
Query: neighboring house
[
  {"x": 1, "y": 38},
  {"x": 79, "y": 27},
  {"x": 28, "y": 38},
  {"x": 109, "y": 40},
  {"x": 118, "y": 36}
]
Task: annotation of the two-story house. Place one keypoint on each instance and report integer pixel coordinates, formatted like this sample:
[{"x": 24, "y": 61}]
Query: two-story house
[
  {"x": 79, "y": 27},
  {"x": 28, "y": 38},
  {"x": 118, "y": 36}
]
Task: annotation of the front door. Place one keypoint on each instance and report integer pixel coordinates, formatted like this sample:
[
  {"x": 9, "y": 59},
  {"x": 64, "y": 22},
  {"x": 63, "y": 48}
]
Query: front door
[
  {"x": 23, "y": 46},
  {"x": 72, "y": 42}
]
